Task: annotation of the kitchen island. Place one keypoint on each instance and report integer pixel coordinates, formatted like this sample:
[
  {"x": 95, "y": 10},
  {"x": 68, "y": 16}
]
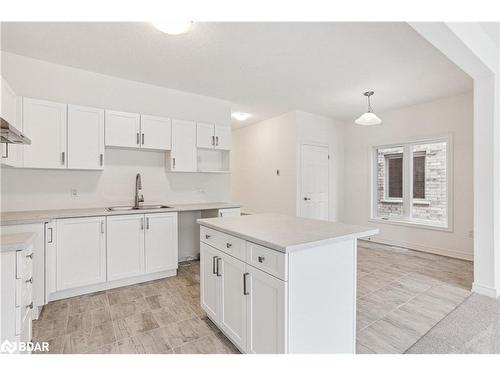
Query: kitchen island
[{"x": 281, "y": 284}]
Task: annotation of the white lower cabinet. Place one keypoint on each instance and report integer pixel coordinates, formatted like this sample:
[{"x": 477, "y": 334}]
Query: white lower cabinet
[
  {"x": 125, "y": 246},
  {"x": 247, "y": 304},
  {"x": 80, "y": 252},
  {"x": 161, "y": 250}
]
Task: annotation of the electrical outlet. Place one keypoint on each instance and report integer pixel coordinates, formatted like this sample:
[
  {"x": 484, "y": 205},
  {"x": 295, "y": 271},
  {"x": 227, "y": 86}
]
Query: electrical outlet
[{"x": 74, "y": 192}]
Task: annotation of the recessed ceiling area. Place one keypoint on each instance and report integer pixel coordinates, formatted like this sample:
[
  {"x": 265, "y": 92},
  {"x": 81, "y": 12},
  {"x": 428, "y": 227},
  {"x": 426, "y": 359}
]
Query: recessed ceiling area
[{"x": 262, "y": 68}]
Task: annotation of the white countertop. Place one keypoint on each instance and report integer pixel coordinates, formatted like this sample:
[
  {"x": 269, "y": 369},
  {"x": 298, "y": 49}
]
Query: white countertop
[
  {"x": 38, "y": 216},
  {"x": 15, "y": 242},
  {"x": 286, "y": 233}
]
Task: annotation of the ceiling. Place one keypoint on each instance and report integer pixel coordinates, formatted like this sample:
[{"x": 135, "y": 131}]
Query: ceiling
[{"x": 262, "y": 68}]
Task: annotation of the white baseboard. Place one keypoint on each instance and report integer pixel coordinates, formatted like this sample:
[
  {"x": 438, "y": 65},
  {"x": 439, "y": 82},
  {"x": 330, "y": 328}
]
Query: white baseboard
[
  {"x": 485, "y": 290},
  {"x": 110, "y": 285},
  {"x": 423, "y": 248}
]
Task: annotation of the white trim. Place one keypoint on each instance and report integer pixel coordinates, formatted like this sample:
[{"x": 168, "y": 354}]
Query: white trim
[
  {"x": 485, "y": 290},
  {"x": 422, "y": 248},
  {"x": 415, "y": 224},
  {"x": 109, "y": 285}
]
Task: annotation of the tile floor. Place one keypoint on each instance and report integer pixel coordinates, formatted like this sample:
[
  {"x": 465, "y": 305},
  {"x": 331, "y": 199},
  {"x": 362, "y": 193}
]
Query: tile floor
[{"x": 401, "y": 295}]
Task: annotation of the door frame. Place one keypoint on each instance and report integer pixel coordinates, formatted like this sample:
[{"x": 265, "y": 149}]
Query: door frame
[{"x": 299, "y": 175}]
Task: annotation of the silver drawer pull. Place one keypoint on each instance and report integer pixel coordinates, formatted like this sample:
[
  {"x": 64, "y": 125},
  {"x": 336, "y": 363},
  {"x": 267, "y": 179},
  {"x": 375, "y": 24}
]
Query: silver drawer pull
[
  {"x": 30, "y": 280},
  {"x": 30, "y": 256},
  {"x": 229, "y": 245},
  {"x": 261, "y": 259},
  {"x": 214, "y": 267},
  {"x": 207, "y": 236},
  {"x": 30, "y": 306},
  {"x": 218, "y": 267},
  {"x": 245, "y": 291}
]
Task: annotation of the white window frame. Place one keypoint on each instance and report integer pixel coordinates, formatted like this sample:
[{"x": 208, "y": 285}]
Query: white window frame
[{"x": 407, "y": 220}]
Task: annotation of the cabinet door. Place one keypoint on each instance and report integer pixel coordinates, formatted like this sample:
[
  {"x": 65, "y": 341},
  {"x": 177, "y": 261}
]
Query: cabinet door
[
  {"x": 45, "y": 123},
  {"x": 161, "y": 242},
  {"x": 80, "y": 252},
  {"x": 222, "y": 137},
  {"x": 183, "y": 154},
  {"x": 233, "y": 301},
  {"x": 85, "y": 137},
  {"x": 209, "y": 282},
  {"x": 123, "y": 129},
  {"x": 266, "y": 320},
  {"x": 156, "y": 132},
  {"x": 9, "y": 110},
  {"x": 205, "y": 136},
  {"x": 125, "y": 250}
]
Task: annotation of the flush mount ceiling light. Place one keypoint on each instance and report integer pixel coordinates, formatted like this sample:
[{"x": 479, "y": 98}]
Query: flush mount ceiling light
[
  {"x": 241, "y": 116},
  {"x": 173, "y": 27},
  {"x": 369, "y": 118}
]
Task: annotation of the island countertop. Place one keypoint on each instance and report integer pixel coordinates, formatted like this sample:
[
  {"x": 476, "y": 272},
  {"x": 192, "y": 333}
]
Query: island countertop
[
  {"x": 16, "y": 241},
  {"x": 286, "y": 233}
]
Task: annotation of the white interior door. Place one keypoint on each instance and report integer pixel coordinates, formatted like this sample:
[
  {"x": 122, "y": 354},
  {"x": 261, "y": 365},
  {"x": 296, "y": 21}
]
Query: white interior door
[
  {"x": 85, "y": 137},
  {"x": 314, "y": 182}
]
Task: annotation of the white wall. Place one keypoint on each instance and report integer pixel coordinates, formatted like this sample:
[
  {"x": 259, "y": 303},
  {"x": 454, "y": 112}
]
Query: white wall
[
  {"x": 24, "y": 189},
  {"x": 448, "y": 115},
  {"x": 260, "y": 149}
]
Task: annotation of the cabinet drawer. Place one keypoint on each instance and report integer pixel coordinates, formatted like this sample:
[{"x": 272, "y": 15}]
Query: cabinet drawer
[
  {"x": 267, "y": 260},
  {"x": 25, "y": 264},
  {"x": 229, "y": 244}
]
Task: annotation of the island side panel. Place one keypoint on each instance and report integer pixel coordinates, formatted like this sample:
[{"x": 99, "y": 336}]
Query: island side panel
[{"x": 322, "y": 299}]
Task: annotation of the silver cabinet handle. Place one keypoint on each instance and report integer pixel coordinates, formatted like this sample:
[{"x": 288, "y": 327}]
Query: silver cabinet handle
[
  {"x": 245, "y": 292},
  {"x": 218, "y": 267},
  {"x": 138, "y": 141},
  {"x": 213, "y": 140},
  {"x": 6, "y": 151},
  {"x": 142, "y": 138},
  {"x": 173, "y": 163},
  {"x": 51, "y": 235},
  {"x": 142, "y": 223},
  {"x": 147, "y": 223},
  {"x": 261, "y": 259},
  {"x": 229, "y": 245},
  {"x": 102, "y": 226},
  {"x": 217, "y": 140},
  {"x": 30, "y": 256},
  {"x": 30, "y": 306},
  {"x": 101, "y": 159},
  {"x": 30, "y": 280},
  {"x": 214, "y": 268},
  {"x": 207, "y": 236},
  {"x": 63, "y": 158}
]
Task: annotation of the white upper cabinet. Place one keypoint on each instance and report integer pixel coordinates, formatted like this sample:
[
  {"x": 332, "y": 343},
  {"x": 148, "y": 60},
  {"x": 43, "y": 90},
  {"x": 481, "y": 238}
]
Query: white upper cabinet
[
  {"x": 213, "y": 136},
  {"x": 156, "y": 132},
  {"x": 44, "y": 122},
  {"x": 85, "y": 137},
  {"x": 123, "y": 129},
  {"x": 9, "y": 108},
  {"x": 205, "y": 136},
  {"x": 183, "y": 154},
  {"x": 222, "y": 137}
]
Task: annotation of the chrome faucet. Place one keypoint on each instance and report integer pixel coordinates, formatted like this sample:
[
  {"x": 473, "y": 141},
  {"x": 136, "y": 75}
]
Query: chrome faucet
[{"x": 139, "y": 198}]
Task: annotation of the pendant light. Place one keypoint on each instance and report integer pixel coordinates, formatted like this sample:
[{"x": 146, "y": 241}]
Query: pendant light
[{"x": 369, "y": 118}]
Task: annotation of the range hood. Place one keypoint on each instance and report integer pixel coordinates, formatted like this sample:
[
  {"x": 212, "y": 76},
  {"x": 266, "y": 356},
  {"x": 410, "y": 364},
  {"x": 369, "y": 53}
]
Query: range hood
[{"x": 11, "y": 135}]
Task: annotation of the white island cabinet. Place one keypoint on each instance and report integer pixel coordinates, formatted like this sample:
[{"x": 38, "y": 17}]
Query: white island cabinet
[{"x": 281, "y": 284}]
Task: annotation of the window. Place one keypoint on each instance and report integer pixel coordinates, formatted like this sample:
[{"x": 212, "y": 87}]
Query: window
[{"x": 411, "y": 182}]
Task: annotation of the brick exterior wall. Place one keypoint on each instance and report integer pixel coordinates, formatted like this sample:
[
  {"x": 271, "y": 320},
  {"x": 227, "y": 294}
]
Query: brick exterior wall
[{"x": 433, "y": 207}]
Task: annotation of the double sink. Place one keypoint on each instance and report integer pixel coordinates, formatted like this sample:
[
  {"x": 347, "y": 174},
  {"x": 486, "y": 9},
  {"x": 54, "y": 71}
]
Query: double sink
[{"x": 141, "y": 207}]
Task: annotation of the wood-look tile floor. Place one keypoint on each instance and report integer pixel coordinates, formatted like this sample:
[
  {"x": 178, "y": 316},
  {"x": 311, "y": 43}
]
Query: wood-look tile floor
[{"x": 401, "y": 295}]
